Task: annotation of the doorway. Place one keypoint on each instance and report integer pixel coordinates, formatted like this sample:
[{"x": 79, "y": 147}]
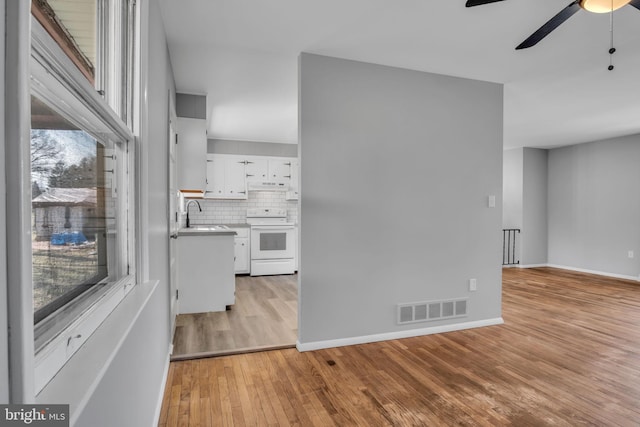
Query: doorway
[{"x": 264, "y": 317}]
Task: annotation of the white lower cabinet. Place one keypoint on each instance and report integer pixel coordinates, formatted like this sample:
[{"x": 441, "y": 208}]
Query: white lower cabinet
[
  {"x": 297, "y": 240},
  {"x": 242, "y": 251},
  {"x": 206, "y": 281}
]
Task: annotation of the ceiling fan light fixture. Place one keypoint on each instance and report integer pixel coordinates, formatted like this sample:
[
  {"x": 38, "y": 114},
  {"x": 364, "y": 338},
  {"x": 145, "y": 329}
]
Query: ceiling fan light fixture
[{"x": 602, "y": 6}]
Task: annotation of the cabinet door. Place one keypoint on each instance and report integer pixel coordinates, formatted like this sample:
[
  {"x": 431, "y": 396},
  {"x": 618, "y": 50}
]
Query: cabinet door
[
  {"x": 280, "y": 170},
  {"x": 192, "y": 151},
  {"x": 235, "y": 178},
  {"x": 294, "y": 185},
  {"x": 257, "y": 170},
  {"x": 225, "y": 177},
  {"x": 215, "y": 177},
  {"x": 242, "y": 255}
]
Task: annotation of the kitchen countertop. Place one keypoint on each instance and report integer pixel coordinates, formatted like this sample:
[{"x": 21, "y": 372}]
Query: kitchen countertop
[
  {"x": 206, "y": 230},
  {"x": 238, "y": 225}
]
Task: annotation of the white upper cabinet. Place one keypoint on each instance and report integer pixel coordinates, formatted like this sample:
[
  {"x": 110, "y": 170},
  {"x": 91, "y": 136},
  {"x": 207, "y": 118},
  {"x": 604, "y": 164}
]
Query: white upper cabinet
[
  {"x": 257, "y": 169},
  {"x": 294, "y": 171},
  {"x": 226, "y": 177},
  {"x": 280, "y": 170},
  {"x": 192, "y": 151},
  {"x": 229, "y": 174},
  {"x": 235, "y": 177},
  {"x": 268, "y": 169},
  {"x": 215, "y": 177}
]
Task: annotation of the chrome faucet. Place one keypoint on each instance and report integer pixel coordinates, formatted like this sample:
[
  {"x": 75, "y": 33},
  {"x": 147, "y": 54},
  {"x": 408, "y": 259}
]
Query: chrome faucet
[{"x": 187, "y": 209}]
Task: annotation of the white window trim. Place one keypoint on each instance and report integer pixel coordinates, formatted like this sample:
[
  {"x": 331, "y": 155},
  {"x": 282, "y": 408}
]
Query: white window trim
[
  {"x": 94, "y": 358},
  {"x": 4, "y": 330},
  {"x": 92, "y": 113},
  {"x": 49, "y": 55},
  {"x": 18, "y": 179}
]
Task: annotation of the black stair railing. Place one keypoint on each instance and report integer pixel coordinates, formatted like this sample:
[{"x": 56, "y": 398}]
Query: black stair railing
[{"x": 509, "y": 256}]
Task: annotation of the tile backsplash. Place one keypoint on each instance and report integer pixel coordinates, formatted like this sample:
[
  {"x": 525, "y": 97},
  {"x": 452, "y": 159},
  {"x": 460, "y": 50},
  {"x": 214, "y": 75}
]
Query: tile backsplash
[{"x": 216, "y": 211}]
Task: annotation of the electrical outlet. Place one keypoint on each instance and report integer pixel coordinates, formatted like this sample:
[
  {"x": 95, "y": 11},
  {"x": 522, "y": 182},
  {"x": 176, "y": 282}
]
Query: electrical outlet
[
  {"x": 630, "y": 254},
  {"x": 473, "y": 284}
]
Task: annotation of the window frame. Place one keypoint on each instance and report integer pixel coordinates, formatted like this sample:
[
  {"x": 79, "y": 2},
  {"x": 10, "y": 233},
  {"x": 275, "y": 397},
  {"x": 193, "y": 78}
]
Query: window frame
[{"x": 53, "y": 73}]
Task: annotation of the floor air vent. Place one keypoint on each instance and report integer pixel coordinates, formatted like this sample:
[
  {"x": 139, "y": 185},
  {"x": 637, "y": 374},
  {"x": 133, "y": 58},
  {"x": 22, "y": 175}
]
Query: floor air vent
[{"x": 431, "y": 310}]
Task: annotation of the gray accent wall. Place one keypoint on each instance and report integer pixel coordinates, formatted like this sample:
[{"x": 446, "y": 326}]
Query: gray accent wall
[
  {"x": 525, "y": 202},
  {"x": 534, "y": 207},
  {"x": 376, "y": 142},
  {"x": 594, "y": 206},
  {"x": 191, "y": 106},
  {"x": 512, "y": 188},
  {"x": 251, "y": 148}
]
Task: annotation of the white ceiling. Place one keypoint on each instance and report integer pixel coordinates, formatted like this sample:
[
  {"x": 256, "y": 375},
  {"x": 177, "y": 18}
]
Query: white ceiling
[{"x": 243, "y": 55}]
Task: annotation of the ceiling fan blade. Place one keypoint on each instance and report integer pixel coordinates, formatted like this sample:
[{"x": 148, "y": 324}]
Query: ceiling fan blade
[
  {"x": 471, "y": 3},
  {"x": 551, "y": 25},
  {"x": 635, "y": 3}
]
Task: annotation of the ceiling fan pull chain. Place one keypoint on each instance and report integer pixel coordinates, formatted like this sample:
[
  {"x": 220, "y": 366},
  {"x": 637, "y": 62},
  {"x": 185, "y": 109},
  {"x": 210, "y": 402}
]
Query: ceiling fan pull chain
[{"x": 611, "y": 48}]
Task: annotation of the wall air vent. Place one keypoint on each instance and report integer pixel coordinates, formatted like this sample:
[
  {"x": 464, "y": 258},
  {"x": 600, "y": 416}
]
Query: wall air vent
[{"x": 432, "y": 310}]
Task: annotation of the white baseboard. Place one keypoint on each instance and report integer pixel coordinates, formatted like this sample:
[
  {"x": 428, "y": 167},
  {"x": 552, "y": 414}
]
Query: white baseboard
[
  {"x": 341, "y": 342},
  {"x": 581, "y": 270},
  {"x": 599, "y": 273},
  {"x": 163, "y": 385},
  {"x": 531, "y": 265}
]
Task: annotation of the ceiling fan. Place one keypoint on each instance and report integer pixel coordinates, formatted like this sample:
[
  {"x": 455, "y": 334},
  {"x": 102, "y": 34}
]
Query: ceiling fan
[{"x": 596, "y": 6}]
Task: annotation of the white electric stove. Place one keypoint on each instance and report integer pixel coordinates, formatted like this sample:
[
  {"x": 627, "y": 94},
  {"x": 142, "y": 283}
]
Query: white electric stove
[{"x": 272, "y": 242}]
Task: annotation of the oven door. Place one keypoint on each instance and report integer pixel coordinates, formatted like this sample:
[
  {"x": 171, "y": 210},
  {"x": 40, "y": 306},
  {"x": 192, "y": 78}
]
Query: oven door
[{"x": 272, "y": 241}]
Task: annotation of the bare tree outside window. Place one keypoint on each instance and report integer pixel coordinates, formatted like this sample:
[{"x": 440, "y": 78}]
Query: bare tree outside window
[{"x": 69, "y": 217}]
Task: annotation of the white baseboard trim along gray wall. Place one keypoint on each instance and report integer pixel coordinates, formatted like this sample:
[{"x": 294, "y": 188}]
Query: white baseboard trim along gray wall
[
  {"x": 165, "y": 377},
  {"x": 526, "y": 266},
  {"x": 580, "y": 270},
  {"x": 599, "y": 273},
  {"x": 319, "y": 345}
]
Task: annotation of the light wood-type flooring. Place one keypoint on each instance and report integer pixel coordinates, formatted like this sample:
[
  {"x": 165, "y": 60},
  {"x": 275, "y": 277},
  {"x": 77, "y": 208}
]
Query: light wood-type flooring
[
  {"x": 568, "y": 354},
  {"x": 265, "y": 316}
]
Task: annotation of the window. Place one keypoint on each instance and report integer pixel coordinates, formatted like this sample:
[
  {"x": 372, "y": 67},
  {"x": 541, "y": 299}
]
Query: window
[
  {"x": 97, "y": 36},
  {"x": 82, "y": 216},
  {"x": 72, "y": 24},
  {"x": 73, "y": 211}
]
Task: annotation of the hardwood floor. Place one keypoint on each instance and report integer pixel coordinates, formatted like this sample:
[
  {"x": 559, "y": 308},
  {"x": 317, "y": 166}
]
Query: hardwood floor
[
  {"x": 567, "y": 355},
  {"x": 265, "y": 316}
]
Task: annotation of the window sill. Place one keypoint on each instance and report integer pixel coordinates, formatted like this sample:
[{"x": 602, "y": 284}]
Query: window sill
[{"x": 72, "y": 385}]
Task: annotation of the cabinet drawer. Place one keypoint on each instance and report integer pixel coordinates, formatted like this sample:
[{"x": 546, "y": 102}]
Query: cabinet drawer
[{"x": 241, "y": 232}]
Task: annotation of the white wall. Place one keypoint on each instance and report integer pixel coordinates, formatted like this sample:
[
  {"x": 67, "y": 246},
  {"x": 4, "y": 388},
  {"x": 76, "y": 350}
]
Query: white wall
[
  {"x": 155, "y": 147},
  {"x": 594, "y": 206},
  {"x": 376, "y": 141},
  {"x": 130, "y": 391}
]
